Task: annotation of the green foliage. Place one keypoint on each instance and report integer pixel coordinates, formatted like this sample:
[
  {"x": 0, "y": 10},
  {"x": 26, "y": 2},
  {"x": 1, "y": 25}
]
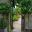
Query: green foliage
[
  {"x": 25, "y": 6},
  {"x": 3, "y": 24},
  {"x": 14, "y": 11},
  {"x": 24, "y": 10},
  {"x": 18, "y": 1},
  {"x": 17, "y": 10},
  {"x": 4, "y": 8},
  {"x": 15, "y": 17}
]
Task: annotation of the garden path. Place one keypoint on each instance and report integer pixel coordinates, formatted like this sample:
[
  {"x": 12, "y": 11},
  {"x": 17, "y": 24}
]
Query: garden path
[{"x": 17, "y": 25}]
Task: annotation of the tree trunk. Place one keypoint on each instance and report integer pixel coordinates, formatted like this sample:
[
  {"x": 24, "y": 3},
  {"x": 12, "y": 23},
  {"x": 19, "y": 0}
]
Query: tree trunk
[
  {"x": 23, "y": 22},
  {"x": 8, "y": 28},
  {"x": 11, "y": 21}
]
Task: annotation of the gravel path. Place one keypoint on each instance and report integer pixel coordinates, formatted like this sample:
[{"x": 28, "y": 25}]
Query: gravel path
[{"x": 17, "y": 25}]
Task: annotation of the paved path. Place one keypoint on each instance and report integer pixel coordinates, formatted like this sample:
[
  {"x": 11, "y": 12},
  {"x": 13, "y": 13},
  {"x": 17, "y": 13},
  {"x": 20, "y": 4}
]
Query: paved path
[
  {"x": 5, "y": 30},
  {"x": 17, "y": 25}
]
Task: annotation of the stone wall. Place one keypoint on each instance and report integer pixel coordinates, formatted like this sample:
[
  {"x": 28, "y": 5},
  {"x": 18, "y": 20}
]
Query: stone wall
[{"x": 28, "y": 24}]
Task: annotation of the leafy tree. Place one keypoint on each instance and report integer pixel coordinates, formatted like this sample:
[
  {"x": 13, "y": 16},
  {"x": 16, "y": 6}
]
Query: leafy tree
[
  {"x": 25, "y": 6},
  {"x": 4, "y": 8}
]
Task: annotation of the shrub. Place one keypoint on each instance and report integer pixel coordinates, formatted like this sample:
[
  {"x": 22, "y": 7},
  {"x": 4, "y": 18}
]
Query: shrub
[
  {"x": 3, "y": 24},
  {"x": 15, "y": 18}
]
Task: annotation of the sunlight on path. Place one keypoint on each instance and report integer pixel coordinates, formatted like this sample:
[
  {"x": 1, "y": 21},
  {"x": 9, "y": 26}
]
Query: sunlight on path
[{"x": 17, "y": 25}]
